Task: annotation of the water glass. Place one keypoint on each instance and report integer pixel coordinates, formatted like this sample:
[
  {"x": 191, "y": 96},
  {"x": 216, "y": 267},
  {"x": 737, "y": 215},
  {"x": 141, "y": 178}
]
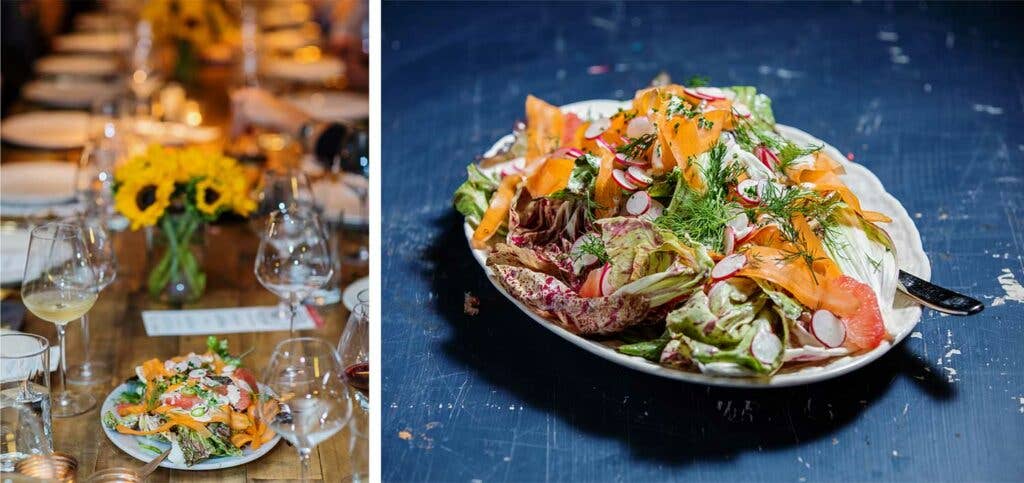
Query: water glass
[
  {"x": 103, "y": 258},
  {"x": 24, "y": 398}
]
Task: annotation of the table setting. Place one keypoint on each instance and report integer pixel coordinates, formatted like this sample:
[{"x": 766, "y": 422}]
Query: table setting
[{"x": 163, "y": 290}]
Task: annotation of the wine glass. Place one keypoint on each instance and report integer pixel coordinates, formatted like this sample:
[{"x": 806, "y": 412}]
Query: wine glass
[
  {"x": 354, "y": 350},
  {"x": 104, "y": 262},
  {"x": 283, "y": 190},
  {"x": 293, "y": 259},
  {"x": 306, "y": 374},
  {"x": 60, "y": 286}
]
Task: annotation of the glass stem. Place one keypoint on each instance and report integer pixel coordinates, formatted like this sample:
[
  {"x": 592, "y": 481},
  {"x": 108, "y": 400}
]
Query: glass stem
[
  {"x": 304, "y": 464},
  {"x": 86, "y": 365},
  {"x": 62, "y": 341},
  {"x": 292, "y": 309}
]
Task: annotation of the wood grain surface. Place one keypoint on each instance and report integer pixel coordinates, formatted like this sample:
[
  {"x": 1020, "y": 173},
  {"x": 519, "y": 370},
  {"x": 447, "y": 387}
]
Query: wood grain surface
[{"x": 930, "y": 97}]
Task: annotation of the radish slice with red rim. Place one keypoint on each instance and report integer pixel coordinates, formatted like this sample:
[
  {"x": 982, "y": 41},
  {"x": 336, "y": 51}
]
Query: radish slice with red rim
[
  {"x": 597, "y": 128},
  {"x": 738, "y": 222},
  {"x": 639, "y": 126},
  {"x": 638, "y": 176},
  {"x": 741, "y": 110},
  {"x": 654, "y": 211},
  {"x": 621, "y": 161},
  {"x": 762, "y": 154},
  {"x": 728, "y": 240},
  {"x": 634, "y": 162},
  {"x": 582, "y": 259},
  {"x": 711, "y": 93},
  {"x": 828, "y": 329},
  {"x": 638, "y": 203},
  {"x": 606, "y": 288},
  {"x": 728, "y": 266},
  {"x": 603, "y": 144},
  {"x": 620, "y": 178},
  {"x": 766, "y": 346},
  {"x": 749, "y": 191},
  {"x": 697, "y": 94}
]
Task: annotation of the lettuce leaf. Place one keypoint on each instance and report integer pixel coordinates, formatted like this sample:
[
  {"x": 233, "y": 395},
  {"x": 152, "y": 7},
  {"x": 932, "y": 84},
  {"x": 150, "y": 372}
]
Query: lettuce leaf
[
  {"x": 473, "y": 196},
  {"x": 760, "y": 105}
]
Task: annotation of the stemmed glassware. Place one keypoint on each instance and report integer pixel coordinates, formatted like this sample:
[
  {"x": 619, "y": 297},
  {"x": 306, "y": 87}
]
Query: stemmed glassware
[
  {"x": 104, "y": 263},
  {"x": 354, "y": 350},
  {"x": 293, "y": 259},
  {"x": 307, "y": 375},
  {"x": 60, "y": 286}
]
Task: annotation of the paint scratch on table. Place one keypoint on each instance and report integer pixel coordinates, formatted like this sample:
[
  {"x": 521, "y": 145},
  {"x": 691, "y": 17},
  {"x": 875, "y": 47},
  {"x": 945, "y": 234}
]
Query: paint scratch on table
[
  {"x": 1014, "y": 290},
  {"x": 988, "y": 109}
]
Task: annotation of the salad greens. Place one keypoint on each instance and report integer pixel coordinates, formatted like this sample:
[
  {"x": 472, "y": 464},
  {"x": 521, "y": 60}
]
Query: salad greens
[{"x": 689, "y": 218}]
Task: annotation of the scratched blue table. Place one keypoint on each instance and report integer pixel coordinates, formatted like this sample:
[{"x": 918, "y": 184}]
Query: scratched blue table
[{"x": 930, "y": 98}]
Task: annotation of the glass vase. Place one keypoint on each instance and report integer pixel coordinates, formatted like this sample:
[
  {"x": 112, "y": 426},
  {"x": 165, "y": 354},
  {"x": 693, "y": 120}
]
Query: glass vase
[{"x": 175, "y": 250}]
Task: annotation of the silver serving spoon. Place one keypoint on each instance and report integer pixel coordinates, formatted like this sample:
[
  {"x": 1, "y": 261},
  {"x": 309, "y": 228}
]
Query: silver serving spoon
[{"x": 938, "y": 298}]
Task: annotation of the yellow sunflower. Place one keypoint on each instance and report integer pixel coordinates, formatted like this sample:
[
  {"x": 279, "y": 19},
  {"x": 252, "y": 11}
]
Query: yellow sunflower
[
  {"x": 211, "y": 196},
  {"x": 155, "y": 162},
  {"x": 143, "y": 199}
]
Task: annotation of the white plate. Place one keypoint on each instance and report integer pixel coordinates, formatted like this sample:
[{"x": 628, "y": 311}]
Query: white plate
[
  {"x": 47, "y": 129},
  {"x": 94, "y": 42},
  {"x": 37, "y": 182},
  {"x": 287, "y": 40},
  {"x": 333, "y": 106},
  {"x": 68, "y": 93},
  {"x": 130, "y": 444},
  {"x": 350, "y": 297},
  {"x": 321, "y": 70},
  {"x": 175, "y": 133},
  {"x": 83, "y": 65},
  {"x": 13, "y": 255},
  {"x": 903, "y": 316}
]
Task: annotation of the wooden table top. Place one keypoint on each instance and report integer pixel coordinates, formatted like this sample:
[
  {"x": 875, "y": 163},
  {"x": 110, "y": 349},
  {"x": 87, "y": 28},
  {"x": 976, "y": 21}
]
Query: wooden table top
[{"x": 119, "y": 338}]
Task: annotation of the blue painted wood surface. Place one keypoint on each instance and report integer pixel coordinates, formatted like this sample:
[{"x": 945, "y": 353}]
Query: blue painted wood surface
[{"x": 929, "y": 97}]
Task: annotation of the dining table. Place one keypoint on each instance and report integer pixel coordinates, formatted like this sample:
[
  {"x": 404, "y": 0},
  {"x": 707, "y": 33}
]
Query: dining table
[
  {"x": 119, "y": 338},
  {"x": 925, "y": 95}
]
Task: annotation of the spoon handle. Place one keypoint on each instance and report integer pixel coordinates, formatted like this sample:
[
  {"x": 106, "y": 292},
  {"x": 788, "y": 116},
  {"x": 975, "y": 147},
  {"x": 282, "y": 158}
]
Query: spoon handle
[
  {"x": 938, "y": 298},
  {"x": 151, "y": 466}
]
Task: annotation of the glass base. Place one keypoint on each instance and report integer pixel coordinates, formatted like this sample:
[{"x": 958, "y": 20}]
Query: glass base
[
  {"x": 71, "y": 404},
  {"x": 324, "y": 297},
  {"x": 89, "y": 373}
]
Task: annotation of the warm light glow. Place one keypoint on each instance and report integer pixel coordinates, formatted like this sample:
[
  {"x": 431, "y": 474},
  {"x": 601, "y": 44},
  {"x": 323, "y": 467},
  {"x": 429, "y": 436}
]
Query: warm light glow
[
  {"x": 192, "y": 115},
  {"x": 307, "y": 54},
  {"x": 139, "y": 76}
]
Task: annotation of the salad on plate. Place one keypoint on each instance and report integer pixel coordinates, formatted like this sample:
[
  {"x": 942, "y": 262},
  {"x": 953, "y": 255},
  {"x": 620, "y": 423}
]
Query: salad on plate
[
  {"x": 684, "y": 229},
  {"x": 202, "y": 405}
]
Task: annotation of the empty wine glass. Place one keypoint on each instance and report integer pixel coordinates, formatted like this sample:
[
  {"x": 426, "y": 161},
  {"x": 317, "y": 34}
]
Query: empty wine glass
[
  {"x": 354, "y": 350},
  {"x": 283, "y": 190},
  {"x": 293, "y": 259},
  {"x": 306, "y": 375},
  {"x": 104, "y": 262},
  {"x": 60, "y": 286}
]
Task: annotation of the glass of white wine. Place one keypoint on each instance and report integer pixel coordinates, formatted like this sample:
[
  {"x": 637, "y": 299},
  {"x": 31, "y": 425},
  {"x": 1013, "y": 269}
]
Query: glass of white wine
[{"x": 60, "y": 286}]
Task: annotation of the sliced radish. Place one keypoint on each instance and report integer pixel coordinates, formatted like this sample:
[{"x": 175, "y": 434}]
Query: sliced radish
[
  {"x": 638, "y": 176},
  {"x": 582, "y": 260},
  {"x": 638, "y": 203},
  {"x": 739, "y": 222},
  {"x": 741, "y": 110},
  {"x": 575, "y": 153},
  {"x": 728, "y": 266},
  {"x": 762, "y": 154},
  {"x": 654, "y": 211},
  {"x": 728, "y": 240},
  {"x": 571, "y": 153},
  {"x": 606, "y": 289},
  {"x": 828, "y": 329},
  {"x": 639, "y": 126},
  {"x": 743, "y": 234},
  {"x": 711, "y": 93},
  {"x": 604, "y": 145},
  {"x": 620, "y": 178},
  {"x": 697, "y": 94},
  {"x": 597, "y": 128},
  {"x": 749, "y": 191},
  {"x": 766, "y": 346},
  {"x": 621, "y": 161}
]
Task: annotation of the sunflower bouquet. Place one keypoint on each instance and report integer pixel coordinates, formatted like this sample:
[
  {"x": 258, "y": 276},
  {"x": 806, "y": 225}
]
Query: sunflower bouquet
[
  {"x": 173, "y": 192},
  {"x": 196, "y": 28}
]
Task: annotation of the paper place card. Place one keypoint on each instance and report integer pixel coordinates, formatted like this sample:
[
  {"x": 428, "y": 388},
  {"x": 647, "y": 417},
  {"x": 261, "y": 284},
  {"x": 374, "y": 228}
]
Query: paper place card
[{"x": 222, "y": 321}]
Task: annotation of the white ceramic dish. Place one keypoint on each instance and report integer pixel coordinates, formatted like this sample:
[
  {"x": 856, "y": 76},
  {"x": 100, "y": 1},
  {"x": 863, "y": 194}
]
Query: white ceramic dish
[
  {"x": 94, "y": 42},
  {"x": 350, "y": 297},
  {"x": 76, "y": 65},
  {"x": 47, "y": 129},
  {"x": 900, "y": 321},
  {"x": 13, "y": 255},
  {"x": 317, "y": 71},
  {"x": 130, "y": 444},
  {"x": 68, "y": 93},
  {"x": 37, "y": 182},
  {"x": 333, "y": 106}
]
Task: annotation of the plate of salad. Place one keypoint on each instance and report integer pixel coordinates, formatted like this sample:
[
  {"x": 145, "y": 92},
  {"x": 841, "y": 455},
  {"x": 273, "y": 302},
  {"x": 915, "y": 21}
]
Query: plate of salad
[
  {"x": 201, "y": 406},
  {"x": 686, "y": 234}
]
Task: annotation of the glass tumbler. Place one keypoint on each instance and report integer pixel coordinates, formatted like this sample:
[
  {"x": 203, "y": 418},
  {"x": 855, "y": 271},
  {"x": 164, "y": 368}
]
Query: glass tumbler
[{"x": 24, "y": 398}]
